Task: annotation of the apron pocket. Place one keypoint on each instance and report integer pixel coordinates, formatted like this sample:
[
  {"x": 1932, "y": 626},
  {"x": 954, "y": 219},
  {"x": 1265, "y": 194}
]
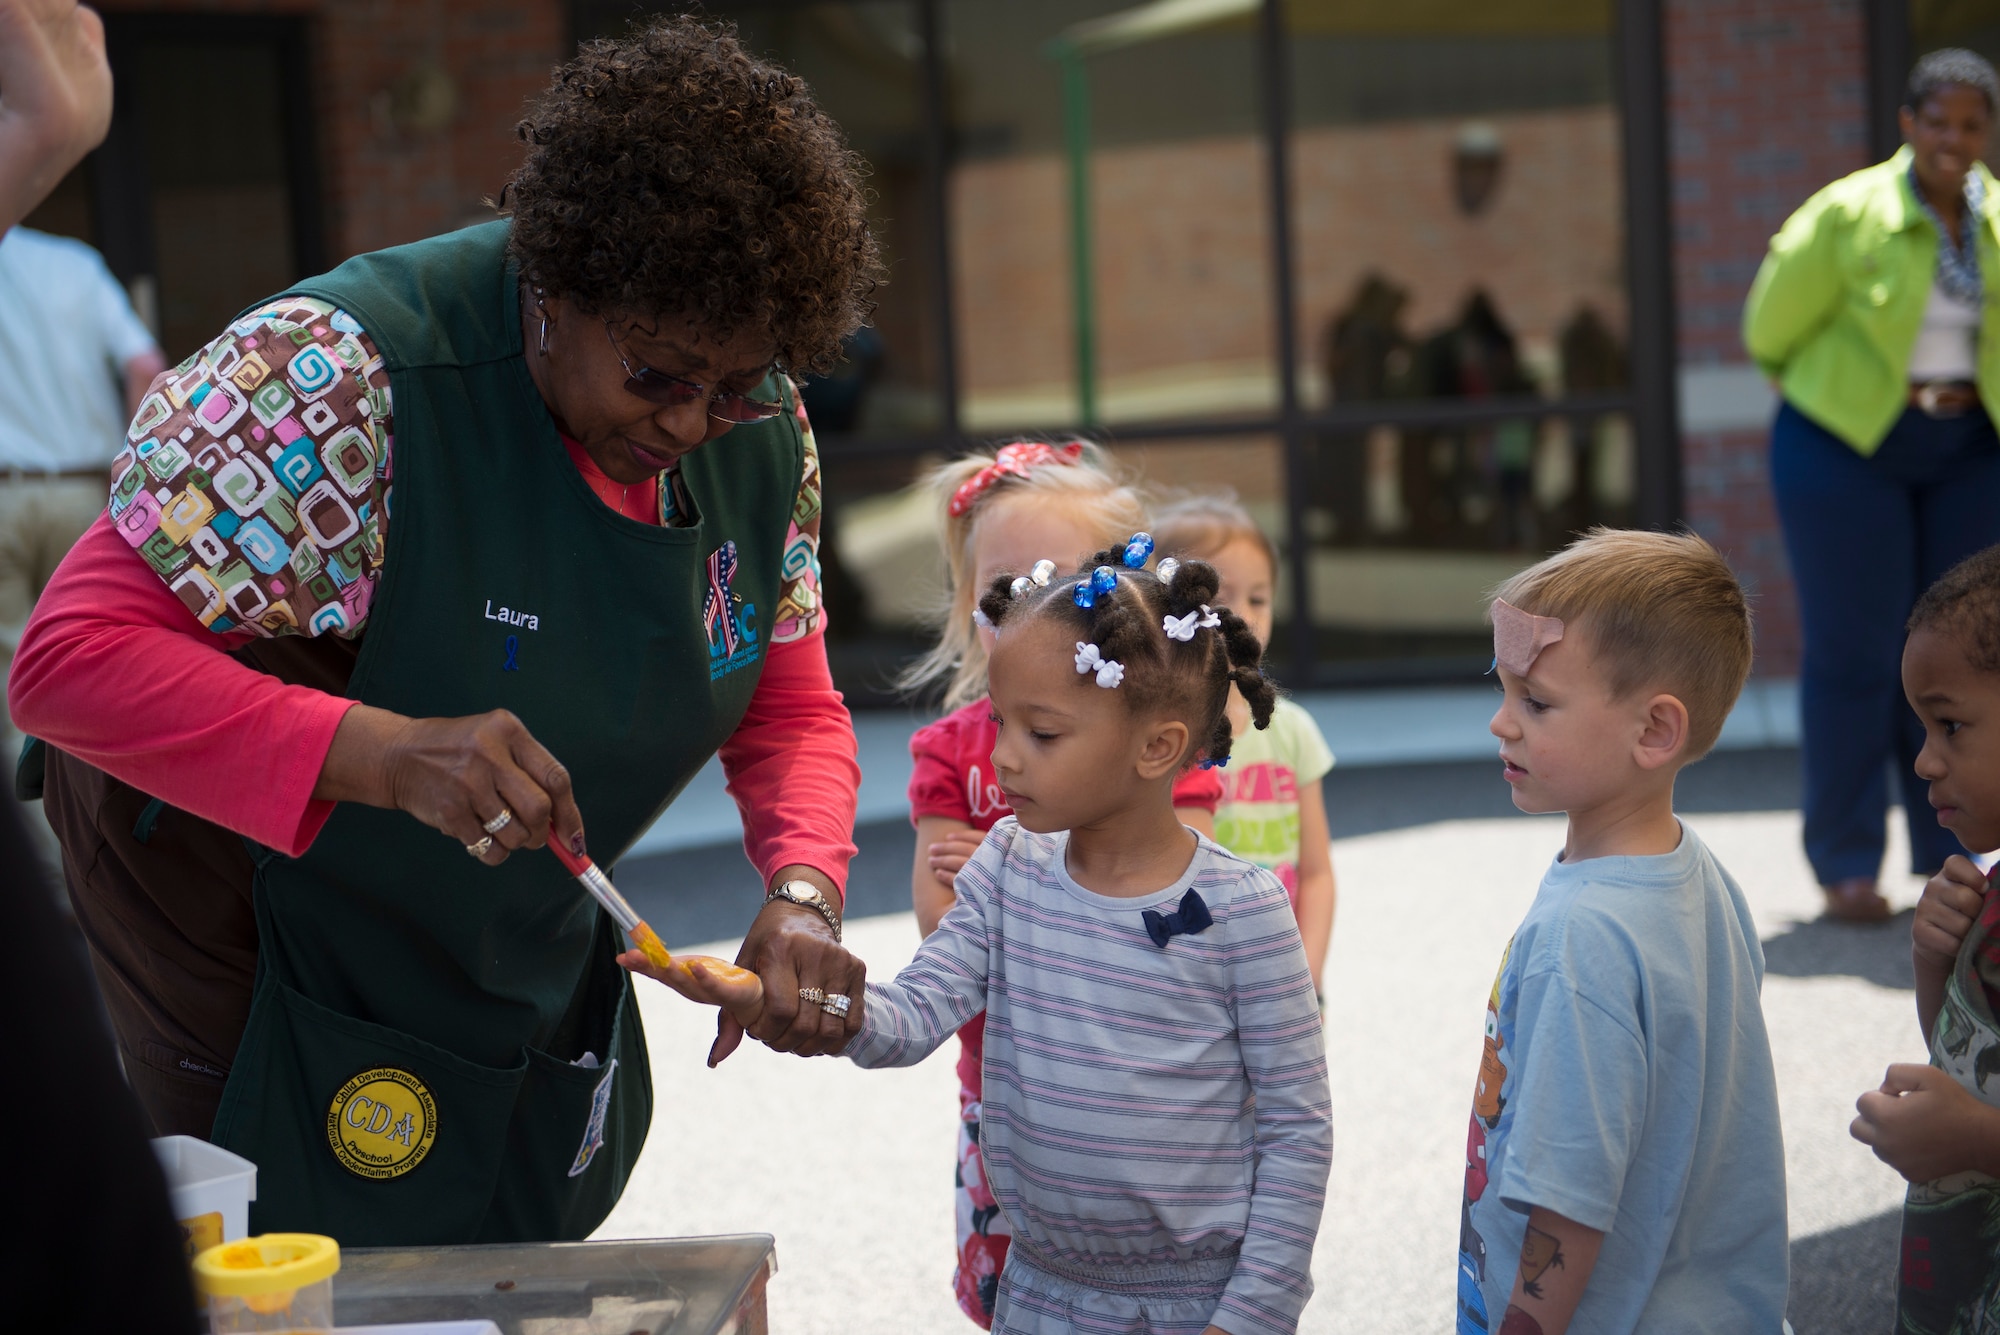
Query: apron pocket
[
  {"x": 362, "y": 1132},
  {"x": 576, "y": 1133}
]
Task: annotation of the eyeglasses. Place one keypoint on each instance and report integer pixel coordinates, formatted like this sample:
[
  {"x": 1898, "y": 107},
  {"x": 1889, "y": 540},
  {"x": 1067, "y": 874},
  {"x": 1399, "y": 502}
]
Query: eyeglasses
[{"x": 672, "y": 391}]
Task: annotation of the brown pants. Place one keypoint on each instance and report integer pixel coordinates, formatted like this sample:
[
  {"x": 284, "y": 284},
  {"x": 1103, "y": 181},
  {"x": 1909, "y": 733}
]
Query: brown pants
[
  {"x": 163, "y": 899},
  {"x": 40, "y": 520}
]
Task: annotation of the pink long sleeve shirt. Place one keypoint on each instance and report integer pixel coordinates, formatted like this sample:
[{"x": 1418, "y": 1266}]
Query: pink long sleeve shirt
[{"x": 118, "y": 670}]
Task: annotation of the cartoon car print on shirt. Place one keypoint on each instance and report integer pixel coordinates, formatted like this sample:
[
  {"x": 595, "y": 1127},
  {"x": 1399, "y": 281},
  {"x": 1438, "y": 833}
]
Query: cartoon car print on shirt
[{"x": 1488, "y": 1102}]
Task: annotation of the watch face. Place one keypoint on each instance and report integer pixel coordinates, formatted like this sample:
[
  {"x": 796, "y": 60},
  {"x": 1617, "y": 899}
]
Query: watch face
[{"x": 799, "y": 892}]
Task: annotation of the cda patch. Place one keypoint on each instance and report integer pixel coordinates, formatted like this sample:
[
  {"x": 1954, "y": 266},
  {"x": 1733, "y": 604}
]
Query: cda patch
[{"x": 381, "y": 1123}]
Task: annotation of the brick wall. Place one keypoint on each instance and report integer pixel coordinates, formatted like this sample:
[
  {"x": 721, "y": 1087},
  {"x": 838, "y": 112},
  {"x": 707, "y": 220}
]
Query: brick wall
[
  {"x": 1767, "y": 102},
  {"x": 383, "y": 181}
]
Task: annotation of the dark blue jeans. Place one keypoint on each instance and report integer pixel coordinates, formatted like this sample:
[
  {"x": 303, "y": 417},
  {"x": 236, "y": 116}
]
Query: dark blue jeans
[{"x": 1865, "y": 537}]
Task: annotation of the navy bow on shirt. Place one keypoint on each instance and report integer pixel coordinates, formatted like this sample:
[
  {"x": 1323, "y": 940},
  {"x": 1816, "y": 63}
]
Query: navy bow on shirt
[{"x": 1192, "y": 917}]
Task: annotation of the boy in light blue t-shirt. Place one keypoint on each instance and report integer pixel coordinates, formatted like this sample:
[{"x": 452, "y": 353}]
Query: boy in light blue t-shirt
[{"x": 1624, "y": 1167}]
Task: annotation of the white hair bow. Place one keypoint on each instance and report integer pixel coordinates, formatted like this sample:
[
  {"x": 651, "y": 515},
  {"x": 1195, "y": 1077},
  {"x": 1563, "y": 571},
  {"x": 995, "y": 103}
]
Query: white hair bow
[
  {"x": 1183, "y": 628},
  {"x": 980, "y": 620},
  {"x": 1110, "y": 672}
]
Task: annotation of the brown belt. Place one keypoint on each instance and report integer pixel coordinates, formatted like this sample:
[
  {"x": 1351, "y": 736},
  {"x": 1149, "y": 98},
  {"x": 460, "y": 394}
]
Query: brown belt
[
  {"x": 53, "y": 474},
  {"x": 1944, "y": 398}
]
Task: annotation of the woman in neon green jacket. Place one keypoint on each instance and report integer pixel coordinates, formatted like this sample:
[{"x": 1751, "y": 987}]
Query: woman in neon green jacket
[{"x": 1877, "y": 314}]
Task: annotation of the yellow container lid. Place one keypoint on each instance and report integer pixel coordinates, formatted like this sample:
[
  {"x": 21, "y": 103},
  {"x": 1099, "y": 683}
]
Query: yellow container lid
[{"x": 268, "y": 1263}]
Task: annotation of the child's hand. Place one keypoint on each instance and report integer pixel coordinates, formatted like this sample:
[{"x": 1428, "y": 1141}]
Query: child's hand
[
  {"x": 707, "y": 981},
  {"x": 951, "y": 853},
  {"x": 1950, "y": 904},
  {"x": 1923, "y": 1123}
]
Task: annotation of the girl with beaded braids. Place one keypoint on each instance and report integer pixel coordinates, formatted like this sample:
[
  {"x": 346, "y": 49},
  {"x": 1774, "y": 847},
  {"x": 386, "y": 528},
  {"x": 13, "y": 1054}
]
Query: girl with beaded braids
[
  {"x": 1157, "y": 1127},
  {"x": 999, "y": 509}
]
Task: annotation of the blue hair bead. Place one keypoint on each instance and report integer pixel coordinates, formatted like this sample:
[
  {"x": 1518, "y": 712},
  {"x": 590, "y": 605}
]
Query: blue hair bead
[
  {"x": 1103, "y": 580},
  {"x": 1085, "y": 596},
  {"x": 1138, "y": 549}
]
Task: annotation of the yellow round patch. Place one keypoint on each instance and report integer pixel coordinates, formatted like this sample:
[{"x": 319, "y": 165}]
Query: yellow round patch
[{"x": 381, "y": 1123}]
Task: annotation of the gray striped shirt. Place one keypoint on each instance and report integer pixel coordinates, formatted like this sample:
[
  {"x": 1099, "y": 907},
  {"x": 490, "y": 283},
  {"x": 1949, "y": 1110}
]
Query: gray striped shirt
[{"x": 1143, "y": 1106}]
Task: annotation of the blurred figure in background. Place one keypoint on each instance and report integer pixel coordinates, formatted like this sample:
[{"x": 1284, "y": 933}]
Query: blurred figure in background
[{"x": 75, "y": 361}]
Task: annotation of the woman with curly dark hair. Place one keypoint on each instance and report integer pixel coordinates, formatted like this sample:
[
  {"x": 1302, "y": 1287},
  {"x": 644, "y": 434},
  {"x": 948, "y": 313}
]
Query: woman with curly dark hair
[{"x": 428, "y": 557}]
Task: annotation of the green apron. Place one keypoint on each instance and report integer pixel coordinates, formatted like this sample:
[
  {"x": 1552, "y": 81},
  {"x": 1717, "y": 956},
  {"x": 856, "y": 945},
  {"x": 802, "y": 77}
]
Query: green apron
[{"x": 410, "y": 1070}]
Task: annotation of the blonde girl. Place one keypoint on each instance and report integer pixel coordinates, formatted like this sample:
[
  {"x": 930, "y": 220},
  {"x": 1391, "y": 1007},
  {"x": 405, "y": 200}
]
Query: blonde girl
[
  {"x": 999, "y": 510},
  {"x": 1273, "y": 812}
]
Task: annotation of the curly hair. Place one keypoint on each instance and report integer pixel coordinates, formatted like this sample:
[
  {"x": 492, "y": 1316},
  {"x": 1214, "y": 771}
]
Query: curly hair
[
  {"x": 1189, "y": 679},
  {"x": 672, "y": 175},
  {"x": 1947, "y": 67},
  {"x": 1965, "y": 604}
]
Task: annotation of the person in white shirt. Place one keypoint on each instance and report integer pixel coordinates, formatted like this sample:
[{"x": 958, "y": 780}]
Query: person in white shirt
[{"x": 74, "y": 362}]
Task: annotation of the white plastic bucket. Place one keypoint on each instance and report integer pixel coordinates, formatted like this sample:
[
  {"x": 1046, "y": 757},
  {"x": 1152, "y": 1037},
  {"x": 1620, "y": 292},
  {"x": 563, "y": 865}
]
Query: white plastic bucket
[{"x": 211, "y": 1188}]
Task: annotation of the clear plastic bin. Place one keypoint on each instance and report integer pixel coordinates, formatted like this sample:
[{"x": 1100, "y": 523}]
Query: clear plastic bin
[
  {"x": 280, "y": 1283},
  {"x": 212, "y": 1190}
]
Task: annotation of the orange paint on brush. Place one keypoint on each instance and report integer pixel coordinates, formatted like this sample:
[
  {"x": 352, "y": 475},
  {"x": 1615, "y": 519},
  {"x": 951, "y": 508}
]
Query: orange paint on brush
[
  {"x": 621, "y": 911},
  {"x": 649, "y": 941}
]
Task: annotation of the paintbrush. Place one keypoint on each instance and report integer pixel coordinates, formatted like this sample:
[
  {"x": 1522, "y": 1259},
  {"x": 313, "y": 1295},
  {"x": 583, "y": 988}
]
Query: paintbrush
[
  {"x": 628, "y": 920},
  {"x": 615, "y": 904}
]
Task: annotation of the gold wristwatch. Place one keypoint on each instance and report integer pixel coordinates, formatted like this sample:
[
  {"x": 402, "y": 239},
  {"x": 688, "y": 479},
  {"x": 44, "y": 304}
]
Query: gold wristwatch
[{"x": 806, "y": 895}]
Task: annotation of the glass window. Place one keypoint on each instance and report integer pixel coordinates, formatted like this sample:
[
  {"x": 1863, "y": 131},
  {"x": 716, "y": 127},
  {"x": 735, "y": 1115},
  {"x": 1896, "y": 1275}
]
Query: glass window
[
  {"x": 1459, "y": 279},
  {"x": 882, "y": 571},
  {"x": 1968, "y": 23},
  {"x": 1169, "y": 316},
  {"x": 222, "y": 225}
]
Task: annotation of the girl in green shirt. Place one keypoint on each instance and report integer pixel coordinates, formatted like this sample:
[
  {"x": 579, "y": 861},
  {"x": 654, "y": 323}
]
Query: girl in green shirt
[{"x": 1273, "y": 812}]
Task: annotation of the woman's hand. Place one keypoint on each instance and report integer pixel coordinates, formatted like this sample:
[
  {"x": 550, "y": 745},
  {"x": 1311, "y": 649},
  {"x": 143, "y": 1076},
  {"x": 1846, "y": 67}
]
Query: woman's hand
[
  {"x": 1923, "y": 1124},
  {"x": 707, "y": 981},
  {"x": 791, "y": 947},
  {"x": 454, "y": 775}
]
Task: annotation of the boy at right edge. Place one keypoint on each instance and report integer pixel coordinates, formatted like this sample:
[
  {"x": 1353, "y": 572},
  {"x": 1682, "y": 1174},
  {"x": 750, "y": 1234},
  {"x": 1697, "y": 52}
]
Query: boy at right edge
[{"x": 1624, "y": 1166}]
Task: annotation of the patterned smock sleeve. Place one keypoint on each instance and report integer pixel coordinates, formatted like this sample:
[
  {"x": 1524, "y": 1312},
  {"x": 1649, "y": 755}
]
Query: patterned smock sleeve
[
  {"x": 255, "y": 479},
  {"x": 799, "y": 607}
]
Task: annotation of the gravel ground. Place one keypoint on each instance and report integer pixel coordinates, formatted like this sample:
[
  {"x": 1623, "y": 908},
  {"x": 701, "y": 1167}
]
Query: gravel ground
[{"x": 851, "y": 1170}]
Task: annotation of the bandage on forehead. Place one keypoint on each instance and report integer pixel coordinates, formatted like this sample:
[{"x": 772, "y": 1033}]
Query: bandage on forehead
[{"x": 1519, "y": 637}]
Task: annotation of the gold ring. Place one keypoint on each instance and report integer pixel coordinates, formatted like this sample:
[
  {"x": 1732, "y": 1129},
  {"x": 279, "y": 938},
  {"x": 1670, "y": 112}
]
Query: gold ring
[
  {"x": 812, "y": 994},
  {"x": 480, "y": 849},
  {"x": 499, "y": 822},
  {"x": 837, "y": 1005}
]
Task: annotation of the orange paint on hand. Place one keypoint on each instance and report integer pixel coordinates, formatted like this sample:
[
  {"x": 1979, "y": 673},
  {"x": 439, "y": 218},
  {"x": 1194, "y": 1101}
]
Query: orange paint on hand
[
  {"x": 649, "y": 941},
  {"x": 720, "y": 970}
]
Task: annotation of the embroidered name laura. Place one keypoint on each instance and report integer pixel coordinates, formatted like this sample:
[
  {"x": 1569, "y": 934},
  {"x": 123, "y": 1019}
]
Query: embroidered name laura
[{"x": 508, "y": 616}]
